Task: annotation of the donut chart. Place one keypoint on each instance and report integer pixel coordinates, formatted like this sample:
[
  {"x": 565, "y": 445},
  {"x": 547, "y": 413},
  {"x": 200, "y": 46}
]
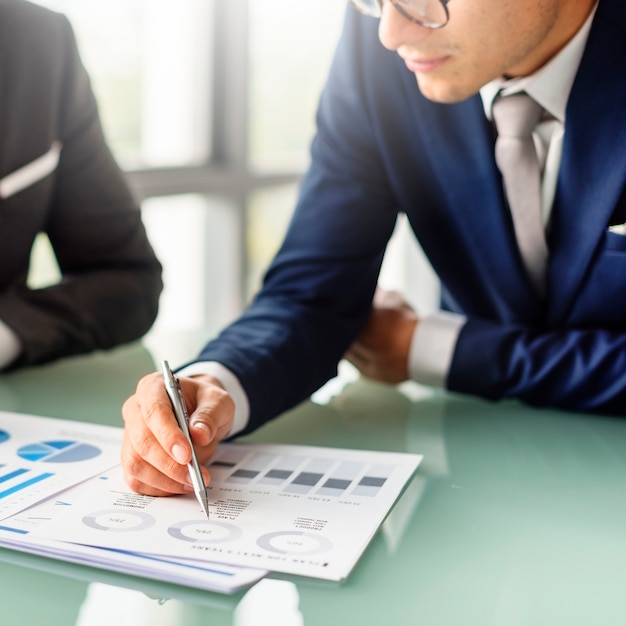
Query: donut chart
[
  {"x": 119, "y": 520},
  {"x": 204, "y": 531},
  {"x": 294, "y": 542}
]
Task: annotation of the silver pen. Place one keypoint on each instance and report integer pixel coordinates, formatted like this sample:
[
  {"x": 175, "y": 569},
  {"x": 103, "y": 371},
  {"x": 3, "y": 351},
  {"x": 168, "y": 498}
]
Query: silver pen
[{"x": 172, "y": 386}]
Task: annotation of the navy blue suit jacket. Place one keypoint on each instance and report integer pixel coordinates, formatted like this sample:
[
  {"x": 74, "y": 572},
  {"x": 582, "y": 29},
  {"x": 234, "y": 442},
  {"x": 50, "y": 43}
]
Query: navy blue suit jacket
[{"x": 382, "y": 148}]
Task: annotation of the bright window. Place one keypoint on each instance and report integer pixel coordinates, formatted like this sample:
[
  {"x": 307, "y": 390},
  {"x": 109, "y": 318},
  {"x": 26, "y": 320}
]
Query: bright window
[{"x": 209, "y": 106}]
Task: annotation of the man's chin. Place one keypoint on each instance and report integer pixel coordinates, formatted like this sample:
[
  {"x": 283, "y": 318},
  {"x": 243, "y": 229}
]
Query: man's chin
[{"x": 443, "y": 91}]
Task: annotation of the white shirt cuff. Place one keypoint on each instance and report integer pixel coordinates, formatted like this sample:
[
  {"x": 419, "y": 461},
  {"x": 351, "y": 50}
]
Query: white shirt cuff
[
  {"x": 10, "y": 346},
  {"x": 231, "y": 385},
  {"x": 432, "y": 347}
]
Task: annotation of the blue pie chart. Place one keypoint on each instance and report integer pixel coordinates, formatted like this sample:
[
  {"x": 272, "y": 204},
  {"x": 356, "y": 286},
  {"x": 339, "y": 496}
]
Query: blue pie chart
[{"x": 64, "y": 451}]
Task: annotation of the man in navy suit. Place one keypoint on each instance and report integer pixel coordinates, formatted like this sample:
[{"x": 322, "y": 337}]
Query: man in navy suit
[{"x": 386, "y": 144}]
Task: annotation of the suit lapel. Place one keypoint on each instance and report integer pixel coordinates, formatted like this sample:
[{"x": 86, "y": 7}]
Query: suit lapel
[{"x": 593, "y": 166}]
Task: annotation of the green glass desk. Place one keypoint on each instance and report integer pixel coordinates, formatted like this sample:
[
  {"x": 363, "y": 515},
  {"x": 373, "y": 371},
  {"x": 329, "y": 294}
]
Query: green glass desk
[{"x": 516, "y": 516}]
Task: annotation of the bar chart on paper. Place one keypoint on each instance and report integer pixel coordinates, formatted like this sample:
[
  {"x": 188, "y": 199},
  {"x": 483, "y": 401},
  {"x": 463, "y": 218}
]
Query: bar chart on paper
[
  {"x": 293, "y": 509},
  {"x": 20, "y": 487},
  {"x": 41, "y": 456},
  {"x": 292, "y": 474}
]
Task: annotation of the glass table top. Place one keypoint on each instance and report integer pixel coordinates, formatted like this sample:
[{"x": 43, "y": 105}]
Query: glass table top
[{"x": 516, "y": 516}]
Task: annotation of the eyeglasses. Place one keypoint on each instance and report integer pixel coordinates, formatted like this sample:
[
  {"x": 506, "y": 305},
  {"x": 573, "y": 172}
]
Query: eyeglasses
[{"x": 427, "y": 13}]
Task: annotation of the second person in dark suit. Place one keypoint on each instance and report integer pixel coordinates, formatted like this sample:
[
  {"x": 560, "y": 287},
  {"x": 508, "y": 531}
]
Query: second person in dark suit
[{"x": 58, "y": 177}]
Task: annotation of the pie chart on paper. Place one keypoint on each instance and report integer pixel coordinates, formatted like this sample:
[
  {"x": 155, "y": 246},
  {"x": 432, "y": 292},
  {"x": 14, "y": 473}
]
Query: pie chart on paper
[{"x": 62, "y": 451}]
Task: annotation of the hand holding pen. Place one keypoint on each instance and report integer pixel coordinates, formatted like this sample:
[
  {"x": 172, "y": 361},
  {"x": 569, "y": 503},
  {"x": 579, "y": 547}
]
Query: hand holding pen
[
  {"x": 172, "y": 386},
  {"x": 155, "y": 449}
]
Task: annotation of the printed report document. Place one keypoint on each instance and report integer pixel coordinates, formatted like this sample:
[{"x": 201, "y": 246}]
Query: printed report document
[{"x": 301, "y": 510}]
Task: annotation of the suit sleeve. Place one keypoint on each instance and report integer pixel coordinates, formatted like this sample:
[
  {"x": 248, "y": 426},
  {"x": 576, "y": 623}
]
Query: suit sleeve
[
  {"x": 318, "y": 291},
  {"x": 580, "y": 369},
  {"x": 111, "y": 279}
]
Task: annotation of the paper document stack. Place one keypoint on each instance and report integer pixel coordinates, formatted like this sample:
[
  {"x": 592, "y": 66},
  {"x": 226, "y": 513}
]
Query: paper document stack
[{"x": 301, "y": 510}]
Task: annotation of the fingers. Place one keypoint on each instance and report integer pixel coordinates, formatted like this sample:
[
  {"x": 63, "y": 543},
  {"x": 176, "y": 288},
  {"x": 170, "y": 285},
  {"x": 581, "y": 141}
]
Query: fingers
[
  {"x": 151, "y": 407},
  {"x": 359, "y": 356},
  {"x": 155, "y": 451},
  {"x": 142, "y": 475},
  {"x": 381, "y": 350},
  {"x": 372, "y": 367}
]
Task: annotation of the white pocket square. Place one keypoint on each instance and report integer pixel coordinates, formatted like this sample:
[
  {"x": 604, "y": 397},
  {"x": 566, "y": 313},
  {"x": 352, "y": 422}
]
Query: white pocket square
[
  {"x": 618, "y": 229},
  {"x": 32, "y": 172}
]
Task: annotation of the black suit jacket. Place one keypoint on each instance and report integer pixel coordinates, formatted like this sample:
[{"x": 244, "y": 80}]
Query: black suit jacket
[{"x": 57, "y": 176}]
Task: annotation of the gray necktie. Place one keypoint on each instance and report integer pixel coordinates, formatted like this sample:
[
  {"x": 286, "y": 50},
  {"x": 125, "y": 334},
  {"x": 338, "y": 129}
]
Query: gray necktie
[{"x": 516, "y": 116}]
